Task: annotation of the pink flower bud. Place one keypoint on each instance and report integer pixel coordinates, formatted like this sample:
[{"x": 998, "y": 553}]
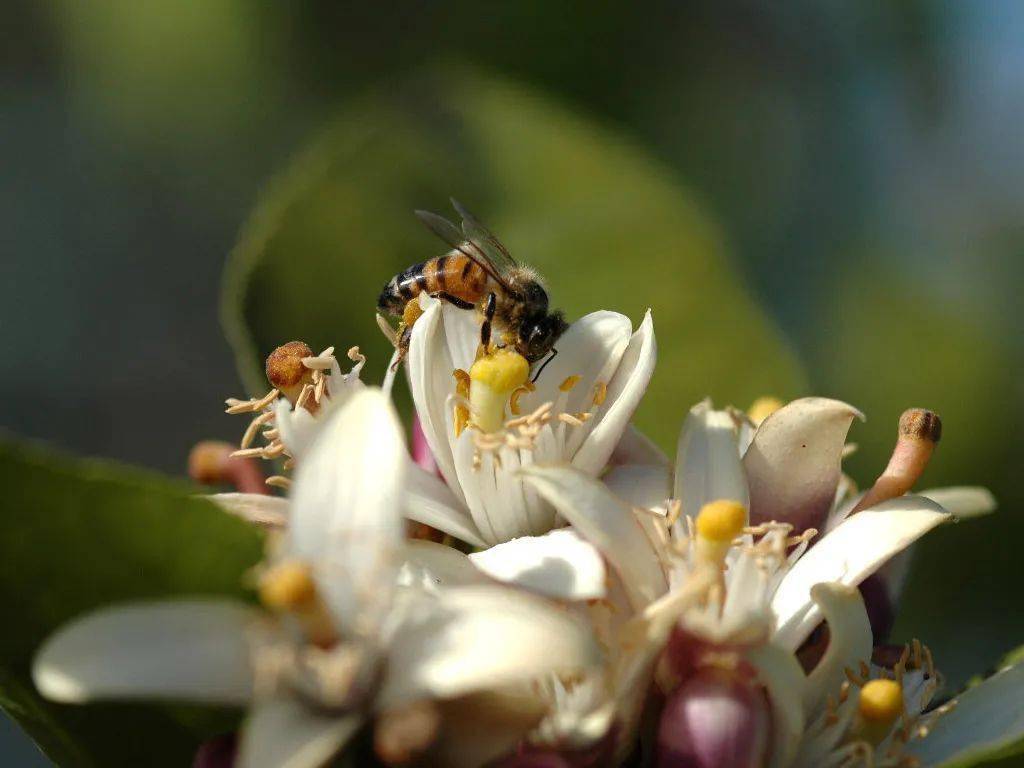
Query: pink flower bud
[{"x": 717, "y": 719}]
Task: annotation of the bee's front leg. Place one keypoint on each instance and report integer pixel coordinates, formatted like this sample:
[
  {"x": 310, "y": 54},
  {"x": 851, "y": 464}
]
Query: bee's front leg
[{"x": 485, "y": 329}]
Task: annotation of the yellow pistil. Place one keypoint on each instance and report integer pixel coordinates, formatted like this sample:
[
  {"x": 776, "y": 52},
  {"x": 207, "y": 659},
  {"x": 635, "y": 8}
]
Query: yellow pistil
[
  {"x": 763, "y": 407},
  {"x": 880, "y": 703},
  {"x": 493, "y": 379},
  {"x": 717, "y": 524}
]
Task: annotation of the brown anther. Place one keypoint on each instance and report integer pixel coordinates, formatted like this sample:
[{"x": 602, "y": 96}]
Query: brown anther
[
  {"x": 919, "y": 431},
  {"x": 461, "y": 418},
  {"x": 279, "y": 481},
  {"x": 569, "y": 382},
  {"x": 211, "y": 462},
  {"x": 285, "y": 369},
  {"x": 403, "y": 734}
]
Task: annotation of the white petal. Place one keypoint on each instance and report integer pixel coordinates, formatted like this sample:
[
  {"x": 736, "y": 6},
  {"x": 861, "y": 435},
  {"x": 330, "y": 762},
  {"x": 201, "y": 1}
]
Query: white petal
[
  {"x": 636, "y": 448},
  {"x": 283, "y": 733},
  {"x": 708, "y": 464},
  {"x": 642, "y": 485},
  {"x": 607, "y": 523},
  {"x": 963, "y": 502},
  {"x": 192, "y": 650},
  {"x": 849, "y": 641},
  {"x": 625, "y": 389},
  {"x": 558, "y": 564},
  {"x": 781, "y": 675},
  {"x": 462, "y": 335},
  {"x": 591, "y": 348},
  {"x": 346, "y": 512},
  {"x": 430, "y": 369},
  {"x": 428, "y": 500},
  {"x": 987, "y": 717},
  {"x": 848, "y": 554},
  {"x": 258, "y": 508},
  {"x": 474, "y": 638},
  {"x": 793, "y": 463},
  {"x": 297, "y": 428},
  {"x": 428, "y": 564}
]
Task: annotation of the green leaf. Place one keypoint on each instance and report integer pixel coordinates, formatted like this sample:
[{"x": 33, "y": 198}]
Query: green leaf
[
  {"x": 82, "y": 534},
  {"x": 606, "y": 224}
]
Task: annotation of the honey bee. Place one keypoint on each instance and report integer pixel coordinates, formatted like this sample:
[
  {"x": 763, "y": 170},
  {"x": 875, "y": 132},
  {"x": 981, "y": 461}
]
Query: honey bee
[{"x": 479, "y": 273}]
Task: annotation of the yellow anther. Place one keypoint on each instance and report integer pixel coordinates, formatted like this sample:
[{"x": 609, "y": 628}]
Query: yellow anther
[
  {"x": 763, "y": 407},
  {"x": 569, "y": 383},
  {"x": 287, "y": 586},
  {"x": 881, "y": 701},
  {"x": 461, "y": 382},
  {"x": 412, "y": 312},
  {"x": 600, "y": 393},
  {"x": 513, "y": 403},
  {"x": 493, "y": 379},
  {"x": 721, "y": 520},
  {"x": 461, "y": 418}
]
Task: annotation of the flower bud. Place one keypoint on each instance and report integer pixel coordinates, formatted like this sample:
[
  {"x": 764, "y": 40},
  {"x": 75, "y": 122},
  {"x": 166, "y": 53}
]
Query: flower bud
[
  {"x": 717, "y": 719},
  {"x": 210, "y": 462}
]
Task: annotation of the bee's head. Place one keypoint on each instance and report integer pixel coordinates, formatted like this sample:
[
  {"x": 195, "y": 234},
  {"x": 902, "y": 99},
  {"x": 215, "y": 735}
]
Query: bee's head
[{"x": 539, "y": 333}]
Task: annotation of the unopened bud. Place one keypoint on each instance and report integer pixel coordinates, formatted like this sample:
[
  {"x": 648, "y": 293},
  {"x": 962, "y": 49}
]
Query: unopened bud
[
  {"x": 285, "y": 370},
  {"x": 210, "y": 462},
  {"x": 919, "y": 432},
  {"x": 717, "y": 719}
]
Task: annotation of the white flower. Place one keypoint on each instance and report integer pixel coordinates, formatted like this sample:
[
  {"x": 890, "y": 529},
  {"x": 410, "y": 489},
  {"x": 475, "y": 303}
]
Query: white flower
[
  {"x": 354, "y": 633},
  {"x": 593, "y": 386},
  {"x": 726, "y": 583}
]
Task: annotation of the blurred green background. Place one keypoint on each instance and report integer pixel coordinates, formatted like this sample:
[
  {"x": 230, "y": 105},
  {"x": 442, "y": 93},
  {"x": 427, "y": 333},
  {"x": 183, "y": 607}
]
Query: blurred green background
[{"x": 813, "y": 198}]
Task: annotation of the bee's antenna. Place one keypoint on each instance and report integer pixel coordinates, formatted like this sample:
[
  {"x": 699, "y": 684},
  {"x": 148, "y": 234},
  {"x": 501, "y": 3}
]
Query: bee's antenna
[{"x": 554, "y": 353}]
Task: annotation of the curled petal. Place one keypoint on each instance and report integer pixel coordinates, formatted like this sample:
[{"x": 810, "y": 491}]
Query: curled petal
[
  {"x": 848, "y": 554},
  {"x": 184, "y": 650},
  {"x": 793, "y": 463},
  {"x": 849, "y": 642},
  {"x": 607, "y": 523},
  {"x": 475, "y": 638},
  {"x": 964, "y": 501},
  {"x": 558, "y": 564},
  {"x": 625, "y": 389}
]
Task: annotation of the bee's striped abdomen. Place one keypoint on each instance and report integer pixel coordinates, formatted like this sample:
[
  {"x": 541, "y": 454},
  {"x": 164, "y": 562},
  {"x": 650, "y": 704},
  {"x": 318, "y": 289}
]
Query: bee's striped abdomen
[{"x": 454, "y": 274}]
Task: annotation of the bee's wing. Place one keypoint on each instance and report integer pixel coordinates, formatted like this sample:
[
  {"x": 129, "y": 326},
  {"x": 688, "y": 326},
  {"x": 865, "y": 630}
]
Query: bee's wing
[
  {"x": 475, "y": 232},
  {"x": 468, "y": 246}
]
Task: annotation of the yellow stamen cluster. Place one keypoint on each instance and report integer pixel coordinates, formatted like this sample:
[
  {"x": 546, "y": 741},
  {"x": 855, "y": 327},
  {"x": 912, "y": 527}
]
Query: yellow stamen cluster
[
  {"x": 763, "y": 407},
  {"x": 493, "y": 379}
]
